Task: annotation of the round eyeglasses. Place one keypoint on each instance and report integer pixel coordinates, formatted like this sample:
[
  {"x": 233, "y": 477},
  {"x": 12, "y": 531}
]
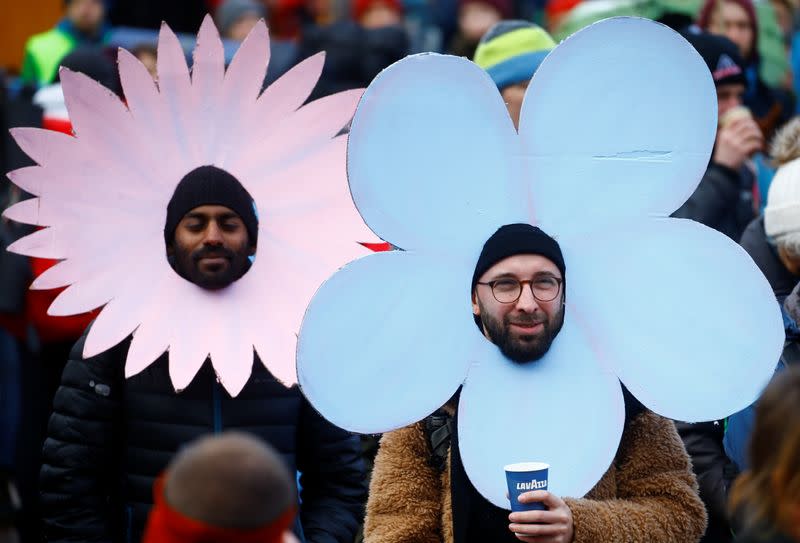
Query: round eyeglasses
[{"x": 507, "y": 290}]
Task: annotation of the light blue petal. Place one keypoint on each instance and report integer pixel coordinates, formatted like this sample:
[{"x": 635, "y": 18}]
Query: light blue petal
[
  {"x": 618, "y": 122},
  {"x": 429, "y": 156},
  {"x": 681, "y": 313},
  {"x": 564, "y": 410},
  {"x": 386, "y": 341}
]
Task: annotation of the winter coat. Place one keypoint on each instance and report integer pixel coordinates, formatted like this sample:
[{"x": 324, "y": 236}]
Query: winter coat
[
  {"x": 44, "y": 52},
  {"x": 649, "y": 494},
  {"x": 754, "y": 241},
  {"x": 723, "y": 200},
  {"x": 354, "y": 55},
  {"x": 715, "y": 473},
  {"x": 109, "y": 438}
]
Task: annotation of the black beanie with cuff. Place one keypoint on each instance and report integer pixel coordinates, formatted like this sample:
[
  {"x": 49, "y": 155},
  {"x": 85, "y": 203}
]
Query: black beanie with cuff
[{"x": 209, "y": 185}]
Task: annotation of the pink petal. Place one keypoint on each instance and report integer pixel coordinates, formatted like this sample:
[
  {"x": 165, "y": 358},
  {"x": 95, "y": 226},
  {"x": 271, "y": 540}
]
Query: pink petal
[
  {"x": 103, "y": 123},
  {"x": 310, "y": 127},
  {"x": 208, "y": 66},
  {"x": 153, "y": 336},
  {"x": 290, "y": 91},
  {"x": 175, "y": 86},
  {"x": 62, "y": 274},
  {"x": 45, "y": 146},
  {"x": 208, "y": 70},
  {"x": 234, "y": 365},
  {"x": 87, "y": 102},
  {"x": 25, "y": 212},
  {"x": 29, "y": 179},
  {"x": 315, "y": 190},
  {"x": 41, "y": 244},
  {"x": 141, "y": 93},
  {"x": 87, "y": 294},
  {"x": 247, "y": 70},
  {"x": 117, "y": 320},
  {"x": 186, "y": 357},
  {"x": 149, "y": 342}
]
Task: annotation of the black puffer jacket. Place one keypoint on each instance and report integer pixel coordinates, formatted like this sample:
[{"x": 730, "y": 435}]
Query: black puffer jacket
[
  {"x": 715, "y": 473},
  {"x": 109, "y": 438},
  {"x": 723, "y": 201}
]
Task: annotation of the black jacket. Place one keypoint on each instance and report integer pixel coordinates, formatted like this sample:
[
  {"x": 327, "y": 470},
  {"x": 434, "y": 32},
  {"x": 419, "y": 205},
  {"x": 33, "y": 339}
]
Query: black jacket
[
  {"x": 754, "y": 241},
  {"x": 108, "y": 439},
  {"x": 715, "y": 473},
  {"x": 354, "y": 55},
  {"x": 723, "y": 201}
]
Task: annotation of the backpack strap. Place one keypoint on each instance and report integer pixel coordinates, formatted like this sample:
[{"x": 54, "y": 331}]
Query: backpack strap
[{"x": 438, "y": 430}]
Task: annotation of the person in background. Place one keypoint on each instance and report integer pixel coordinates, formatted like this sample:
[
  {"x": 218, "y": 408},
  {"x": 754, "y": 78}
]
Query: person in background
[
  {"x": 740, "y": 425},
  {"x": 227, "y": 488},
  {"x": 377, "y": 13},
  {"x": 236, "y": 18},
  {"x": 736, "y": 20},
  {"x": 768, "y": 493},
  {"x": 110, "y": 436},
  {"x": 510, "y": 52},
  {"x": 83, "y": 24},
  {"x": 773, "y": 240},
  {"x": 724, "y": 199},
  {"x": 475, "y": 18},
  {"x": 356, "y": 52}
]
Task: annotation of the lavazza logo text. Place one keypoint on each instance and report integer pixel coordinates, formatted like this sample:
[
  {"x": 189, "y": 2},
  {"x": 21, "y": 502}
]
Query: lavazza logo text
[{"x": 533, "y": 485}]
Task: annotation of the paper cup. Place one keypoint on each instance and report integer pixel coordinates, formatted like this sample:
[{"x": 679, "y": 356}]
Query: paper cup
[{"x": 526, "y": 477}]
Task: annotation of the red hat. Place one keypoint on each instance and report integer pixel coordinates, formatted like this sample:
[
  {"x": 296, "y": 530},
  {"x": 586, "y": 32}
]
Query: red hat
[
  {"x": 166, "y": 525},
  {"x": 361, "y": 7}
]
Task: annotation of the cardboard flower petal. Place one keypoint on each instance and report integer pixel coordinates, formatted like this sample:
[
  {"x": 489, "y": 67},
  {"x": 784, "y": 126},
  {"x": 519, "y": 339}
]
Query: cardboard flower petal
[
  {"x": 103, "y": 195},
  {"x": 616, "y": 131}
]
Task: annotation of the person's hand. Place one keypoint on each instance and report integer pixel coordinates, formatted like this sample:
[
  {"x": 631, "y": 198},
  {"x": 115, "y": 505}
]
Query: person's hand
[
  {"x": 738, "y": 141},
  {"x": 552, "y": 526}
]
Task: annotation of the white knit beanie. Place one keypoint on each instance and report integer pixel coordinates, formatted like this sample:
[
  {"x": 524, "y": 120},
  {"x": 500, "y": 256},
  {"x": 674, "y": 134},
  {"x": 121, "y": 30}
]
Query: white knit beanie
[{"x": 782, "y": 214}]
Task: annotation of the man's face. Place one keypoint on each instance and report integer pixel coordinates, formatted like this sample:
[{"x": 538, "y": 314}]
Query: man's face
[
  {"x": 513, "y": 96},
  {"x": 731, "y": 20},
  {"x": 211, "y": 247},
  {"x": 729, "y": 97},
  {"x": 525, "y": 329},
  {"x": 86, "y": 15}
]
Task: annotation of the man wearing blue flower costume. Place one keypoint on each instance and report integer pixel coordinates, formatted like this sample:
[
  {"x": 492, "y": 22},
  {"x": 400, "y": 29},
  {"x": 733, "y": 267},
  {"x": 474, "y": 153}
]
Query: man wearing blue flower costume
[
  {"x": 582, "y": 372},
  {"x": 648, "y": 494}
]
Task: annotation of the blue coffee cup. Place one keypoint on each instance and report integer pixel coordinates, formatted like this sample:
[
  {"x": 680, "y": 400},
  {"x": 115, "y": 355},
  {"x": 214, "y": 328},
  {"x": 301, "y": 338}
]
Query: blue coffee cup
[{"x": 526, "y": 477}]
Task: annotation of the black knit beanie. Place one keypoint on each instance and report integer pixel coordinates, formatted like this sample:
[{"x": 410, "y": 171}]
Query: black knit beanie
[
  {"x": 209, "y": 185},
  {"x": 517, "y": 239},
  {"x": 721, "y": 56}
]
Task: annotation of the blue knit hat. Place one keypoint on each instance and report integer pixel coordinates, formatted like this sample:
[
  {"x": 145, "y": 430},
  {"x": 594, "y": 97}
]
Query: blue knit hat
[{"x": 511, "y": 51}]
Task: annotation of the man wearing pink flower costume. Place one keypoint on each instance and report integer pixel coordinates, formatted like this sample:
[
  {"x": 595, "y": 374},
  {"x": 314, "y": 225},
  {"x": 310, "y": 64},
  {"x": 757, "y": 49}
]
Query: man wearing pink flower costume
[
  {"x": 420, "y": 491},
  {"x": 109, "y": 437}
]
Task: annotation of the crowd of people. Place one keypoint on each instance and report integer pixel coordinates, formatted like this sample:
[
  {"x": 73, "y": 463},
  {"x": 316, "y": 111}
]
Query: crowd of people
[{"x": 100, "y": 462}]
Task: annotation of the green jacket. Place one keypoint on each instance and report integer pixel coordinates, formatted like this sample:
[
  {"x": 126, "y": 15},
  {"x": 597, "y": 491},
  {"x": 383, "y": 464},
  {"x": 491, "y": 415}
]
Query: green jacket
[{"x": 43, "y": 54}]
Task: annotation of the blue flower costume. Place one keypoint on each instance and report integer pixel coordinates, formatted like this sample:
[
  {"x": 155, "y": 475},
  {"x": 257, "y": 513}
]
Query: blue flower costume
[{"x": 615, "y": 133}]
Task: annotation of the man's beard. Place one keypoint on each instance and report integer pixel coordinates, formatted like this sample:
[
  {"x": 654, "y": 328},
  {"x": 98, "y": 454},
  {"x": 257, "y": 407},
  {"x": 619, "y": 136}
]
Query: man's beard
[
  {"x": 524, "y": 348},
  {"x": 188, "y": 266}
]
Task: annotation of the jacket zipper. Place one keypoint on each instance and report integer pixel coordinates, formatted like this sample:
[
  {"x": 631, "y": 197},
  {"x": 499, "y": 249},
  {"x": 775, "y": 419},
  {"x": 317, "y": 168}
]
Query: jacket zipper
[{"x": 216, "y": 400}]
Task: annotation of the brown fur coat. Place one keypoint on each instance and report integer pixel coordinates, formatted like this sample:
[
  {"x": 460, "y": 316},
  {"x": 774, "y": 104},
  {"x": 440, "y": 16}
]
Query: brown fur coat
[{"x": 649, "y": 494}]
